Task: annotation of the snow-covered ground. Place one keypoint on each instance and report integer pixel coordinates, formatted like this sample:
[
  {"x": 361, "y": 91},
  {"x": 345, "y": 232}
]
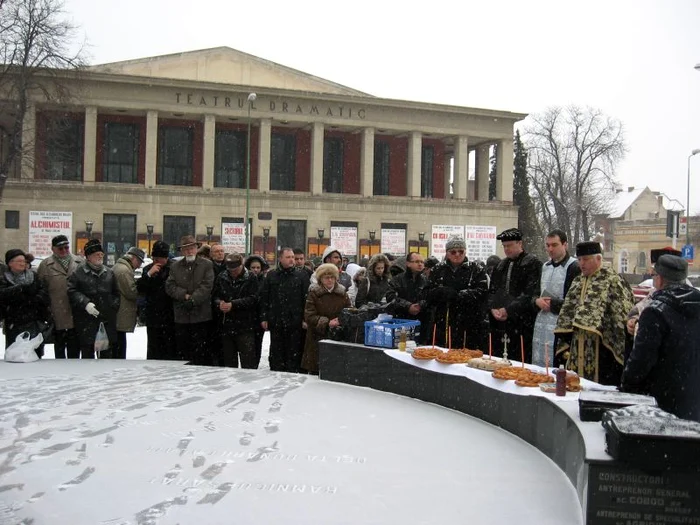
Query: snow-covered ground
[{"x": 144, "y": 442}]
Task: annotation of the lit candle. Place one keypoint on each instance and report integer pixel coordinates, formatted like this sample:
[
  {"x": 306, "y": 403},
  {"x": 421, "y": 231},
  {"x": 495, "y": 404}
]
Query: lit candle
[
  {"x": 449, "y": 338},
  {"x": 489, "y": 345},
  {"x": 434, "y": 329},
  {"x": 522, "y": 351},
  {"x": 464, "y": 341},
  {"x": 546, "y": 358}
]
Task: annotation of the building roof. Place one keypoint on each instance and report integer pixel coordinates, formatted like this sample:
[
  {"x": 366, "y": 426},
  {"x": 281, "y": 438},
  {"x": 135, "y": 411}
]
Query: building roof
[
  {"x": 672, "y": 204},
  {"x": 622, "y": 201},
  {"x": 226, "y": 65}
]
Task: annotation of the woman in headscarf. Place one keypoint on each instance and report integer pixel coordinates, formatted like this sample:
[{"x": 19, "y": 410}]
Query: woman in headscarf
[
  {"x": 257, "y": 266},
  {"x": 24, "y": 300}
]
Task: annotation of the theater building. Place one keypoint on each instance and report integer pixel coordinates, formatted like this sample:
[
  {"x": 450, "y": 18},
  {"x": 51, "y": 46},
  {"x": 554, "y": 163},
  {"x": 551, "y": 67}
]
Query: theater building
[{"x": 159, "y": 147}]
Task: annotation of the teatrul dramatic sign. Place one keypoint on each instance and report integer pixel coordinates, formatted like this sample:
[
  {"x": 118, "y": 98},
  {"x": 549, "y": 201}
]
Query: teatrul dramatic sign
[
  {"x": 43, "y": 226},
  {"x": 481, "y": 241},
  {"x": 394, "y": 241},
  {"x": 233, "y": 237},
  {"x": 442, "y": 232},
  {"x": 344, "y": 239}
]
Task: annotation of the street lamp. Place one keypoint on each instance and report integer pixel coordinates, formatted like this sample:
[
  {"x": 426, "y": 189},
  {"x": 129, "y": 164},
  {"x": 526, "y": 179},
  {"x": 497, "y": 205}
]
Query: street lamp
[
  {"x": 372, "y": 235},
  {"x": 687, "y": 202},
  {"x": 421, "y": 236},
  {"x": 210, "y": 231},
  {"x": 251, "y": 99},
  {"x": 88, "y": 228},
  {"x": 266, "y": 237},
  {"x": 321, "y": 233},
  {"x": 149, "y": 234}
]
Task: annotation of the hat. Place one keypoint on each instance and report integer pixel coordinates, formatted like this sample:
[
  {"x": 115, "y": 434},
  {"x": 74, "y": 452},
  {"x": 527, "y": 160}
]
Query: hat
[
  {"x": 455, "y": 243},
  {"x": 431, "y": 262},
  {"x": 160, "y": 249},
  {"x": 92, "y": 246},
  {"x": 187, "y": 240},
  {"x": 327, "y": 269},
  {"x": 672, "y": 268},
  {"x": 137, "y": 252},
  {"x": 11, "y": 254},
  {"x": 588, "y": 248},
  {"x": 511, "y": 234},
  {"x": 253, "y": 258},
  {"x": 60, "y": 240},
  {"x": 655, "y": 254},
  {"x": 233, "y": 260}
]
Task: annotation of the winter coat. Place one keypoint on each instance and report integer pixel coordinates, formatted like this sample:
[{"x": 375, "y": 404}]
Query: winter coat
[
  {"x": 197, "y": 280},
  {"x": 86, "y": 285},
  {"x": 457, "y": 298},
  {"x": 665, "y": 360},
  {"x": 242, "y": 293},
  {"x": 23, "y": 304},
  {"x": 321, "y": 306},
  {"x": 373, "y": 288},
  {"x": 517, "y": 296},
  {"x": 404, "y": 290},
  {"x": 159, "y": 305},
  {"x": 55, "y": 278},
  {"x": 126, "y": 284},
  {"x": 345, "y": 279},
  {"x": 282, "y": 297}
]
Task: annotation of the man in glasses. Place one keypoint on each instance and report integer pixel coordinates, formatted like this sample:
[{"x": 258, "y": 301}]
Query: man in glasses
[
  {"x": 53, "y": 272},
  {"x": 515, "y": 284},
  {"x": 406, "y": 290},
  {"x": 457, "y": 293}
]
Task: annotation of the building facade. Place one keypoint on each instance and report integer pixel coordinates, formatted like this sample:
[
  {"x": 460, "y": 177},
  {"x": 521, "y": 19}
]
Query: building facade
[{"x": 161, "y": 147}]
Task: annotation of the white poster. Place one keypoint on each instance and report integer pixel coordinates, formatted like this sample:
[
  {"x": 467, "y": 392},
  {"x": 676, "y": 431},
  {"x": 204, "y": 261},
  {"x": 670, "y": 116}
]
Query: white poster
[
  {"x": 442, "y": 232},
  {"x": 394, "y": 242},
  {"x": 43, "y": 226},
  {"x": 344, "y": 239},
  {"x": 233, "y": 237},
  {"x": 481, "y": 242}
]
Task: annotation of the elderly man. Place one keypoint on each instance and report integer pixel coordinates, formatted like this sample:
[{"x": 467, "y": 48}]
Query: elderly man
[
  {"x": 665, "y": 360},
  {"x": 189, "y": 284},
  {"x": 235, "y": 297},
  {"x": 591, "y": 323},
  {"x": 126, "y": 284},
  {"x": 282, "y": 300},
  {"x": 457, "y": 294},
  {"x": 217, "y": 255},
  {"x": 160, "y": 323},
  {"x": 515, "y": 284},
  {"x": 558, "y": 273},
  {"x": 53, "y": 272}
]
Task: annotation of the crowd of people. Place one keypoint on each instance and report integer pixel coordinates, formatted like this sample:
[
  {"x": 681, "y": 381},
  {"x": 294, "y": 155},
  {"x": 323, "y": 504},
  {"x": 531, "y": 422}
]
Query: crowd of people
[{"x": 212, "y": 308}]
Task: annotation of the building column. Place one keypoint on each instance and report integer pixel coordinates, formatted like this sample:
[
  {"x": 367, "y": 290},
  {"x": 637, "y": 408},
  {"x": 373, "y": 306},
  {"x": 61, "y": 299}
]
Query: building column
[
  {"x": 504, "y": 170},
  {"x": 448, "y": 176},
  {"x": 90, "y": 144},
  {"x": 29, "y": 161},
  {"x": 317, "y": 136},
  {"x": 208, "y": 152},
  {"x": 264, "y": 147},
  {"x": 367, "y": 163},
  {"x": 461, "y": 167},
  {"x": 415, "y": 152},
  {"x": 151, "y": 148},
  {"x": 482, "y": 173}
]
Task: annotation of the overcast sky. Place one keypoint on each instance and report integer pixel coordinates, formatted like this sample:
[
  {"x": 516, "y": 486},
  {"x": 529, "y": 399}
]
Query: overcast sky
[{"x": 633, "y": 59}]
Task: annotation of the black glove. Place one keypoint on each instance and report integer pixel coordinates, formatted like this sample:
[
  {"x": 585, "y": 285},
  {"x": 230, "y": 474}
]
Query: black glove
[
  {"x": 29, "y": 288},
  {"x": 187, "y": 305}
]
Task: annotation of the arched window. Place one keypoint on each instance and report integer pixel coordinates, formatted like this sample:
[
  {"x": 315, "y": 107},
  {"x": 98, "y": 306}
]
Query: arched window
[
  {"x": 642, "y": 260},
  {"x": 624, "y": 261}
]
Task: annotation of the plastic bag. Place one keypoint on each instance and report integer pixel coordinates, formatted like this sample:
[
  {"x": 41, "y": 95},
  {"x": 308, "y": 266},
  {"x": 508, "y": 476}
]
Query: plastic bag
[
  {"x": 22, "y": 350},
  {"x": 101, "y": 339}
]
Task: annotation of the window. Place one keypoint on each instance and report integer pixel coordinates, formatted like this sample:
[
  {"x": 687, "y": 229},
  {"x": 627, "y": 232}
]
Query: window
[
  {"x": 381, "y": 167},
  {"x": 229, "y": 159},
  {"x": 333, "y": 165},
  {"x": 282, "y": 162},
  {"x": 174, "y": 228},
  {"x": 120, "y": 153},
  {"x": 426, "y": 171},
  {"x": 11, "y": 219},
  {"x": 291, "y": 233},
  {"x": 64, "y": 149},
  {"x": 642, "y": 260},
  {"x": 624, "y": 261},
  {"x": 119, "y": 235},
  {"x": 175, "y": 155}
]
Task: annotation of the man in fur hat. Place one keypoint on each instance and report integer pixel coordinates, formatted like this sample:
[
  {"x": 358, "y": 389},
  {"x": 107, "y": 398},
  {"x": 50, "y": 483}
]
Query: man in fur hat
[
  {"x": 515, "y": 284},
  {"x": 591, "y": 325}
]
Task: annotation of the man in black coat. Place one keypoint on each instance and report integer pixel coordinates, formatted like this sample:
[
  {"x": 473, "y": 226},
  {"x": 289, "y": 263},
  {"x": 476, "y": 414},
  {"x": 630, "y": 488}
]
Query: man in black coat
[
  {"x": 515, "y": 284},
  {"x": 457, "y": 294},
  {"x": 405, "y": 293},
  {"x": 160, "y": 320},
  {"x": 665, "y": 359},
  {"x": 282, "y": 301},
  {"x": 235, "y": 297}
]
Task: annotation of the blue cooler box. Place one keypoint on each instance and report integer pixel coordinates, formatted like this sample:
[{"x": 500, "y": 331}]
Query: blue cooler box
[{"x": 386, "y": 334}]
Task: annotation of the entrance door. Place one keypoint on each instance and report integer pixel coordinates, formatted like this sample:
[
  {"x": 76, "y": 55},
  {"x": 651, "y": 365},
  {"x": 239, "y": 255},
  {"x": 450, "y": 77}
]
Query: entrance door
[
  {"x": 174, "y": 228},
  {"x": 119, "y": 235},
  {"x": 291, "y": 234}
]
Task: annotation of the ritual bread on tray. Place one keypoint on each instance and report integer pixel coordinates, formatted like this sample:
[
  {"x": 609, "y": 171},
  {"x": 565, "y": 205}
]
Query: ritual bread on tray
[
  {"x": 488, "y": 363},
  {"x": 426, "y": 352}
]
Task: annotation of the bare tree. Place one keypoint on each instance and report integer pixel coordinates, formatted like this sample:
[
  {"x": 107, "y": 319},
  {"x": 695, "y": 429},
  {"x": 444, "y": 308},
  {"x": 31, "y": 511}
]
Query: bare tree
[
  {"x": 573, "y": 153},
  {"x": 35, "y": 55}
]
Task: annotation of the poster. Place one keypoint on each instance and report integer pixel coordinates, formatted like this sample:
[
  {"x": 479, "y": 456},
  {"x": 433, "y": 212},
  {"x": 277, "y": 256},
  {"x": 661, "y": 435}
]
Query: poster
[
  {"x": 233, "y": 237},
  {"x": 45, "y": 225},
  {"x": 440, "y": 234},
  {"x": 393, "y": 242},
  {"x": 344, "y": 239},
  {"x": 481, "y": 242}
]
